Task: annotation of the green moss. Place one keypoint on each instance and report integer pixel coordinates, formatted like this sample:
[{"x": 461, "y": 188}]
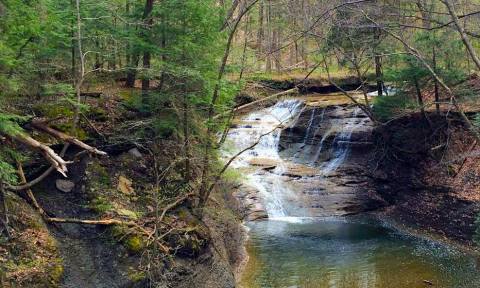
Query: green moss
[
  {"x": 99, "y": 174},
  {"x": 67, "y": 128},
  {"x": 53, "y": 110},
  {"x": 118, "y": 231},
  {"x": 136, "y": 276},
  {"x": 97, "y": 113},
  {"x": 57, "y": 272},
  {"x": 128, "y": 213},
  {"x": 134, "y": 244},
  {"x": 101, "y": 205}
]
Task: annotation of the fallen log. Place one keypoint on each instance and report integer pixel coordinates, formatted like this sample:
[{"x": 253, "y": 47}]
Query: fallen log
[
  {"x": 42, "y": 126},
  {"x": 91, "y": 94},
  {"x": 57, "y": 162}
]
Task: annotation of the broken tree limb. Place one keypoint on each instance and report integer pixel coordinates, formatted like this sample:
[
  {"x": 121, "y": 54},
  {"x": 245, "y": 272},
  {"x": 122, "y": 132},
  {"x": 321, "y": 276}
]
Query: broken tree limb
[
  {"x": 4, "y": 216},
  {"x": 40, "y": 125},
  {"x": 106, "y": 222},
  {"x": 109, "y": 222},
  {"x": 40, "y": 178},
  {"x": 56, "y": 160}
]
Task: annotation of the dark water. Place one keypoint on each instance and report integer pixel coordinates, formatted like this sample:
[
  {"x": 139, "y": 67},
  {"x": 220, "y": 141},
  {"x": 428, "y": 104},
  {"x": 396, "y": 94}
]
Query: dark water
[{"x": 340, "y": 253}]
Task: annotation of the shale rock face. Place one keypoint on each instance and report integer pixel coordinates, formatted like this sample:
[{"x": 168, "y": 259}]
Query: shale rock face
[
  {"x": 336, "y": 143},
  {"x": 317, "y": 165}
]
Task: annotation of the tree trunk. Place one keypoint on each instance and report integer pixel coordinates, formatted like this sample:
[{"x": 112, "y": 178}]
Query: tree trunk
[
  {"x": 463, "y": 35},
  {"x": 72, "y": 48},
  {"x": 261, "y": 33},
  {"x": 148, "y": 21},
  {"x": 436, "y": 88},
  {"x": 244, "y": 54},
  {"x": 378, "y": 63},
  {"x": 420, "y": 99},
  {"x": 268, "y": 49},
  {"x": 132, "y": 71}
]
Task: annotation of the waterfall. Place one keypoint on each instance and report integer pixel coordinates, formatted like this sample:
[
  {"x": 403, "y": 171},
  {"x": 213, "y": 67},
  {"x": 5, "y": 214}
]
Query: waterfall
[
  {"x": 310, "y": 122},
  {"x": 289, "y": 189},
  {"x": 270, "y": 184},
  {"x": 341, "y": 144}
]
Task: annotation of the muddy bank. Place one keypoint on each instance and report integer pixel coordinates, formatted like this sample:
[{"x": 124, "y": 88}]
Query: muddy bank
[{"x": 426, "y": 176}]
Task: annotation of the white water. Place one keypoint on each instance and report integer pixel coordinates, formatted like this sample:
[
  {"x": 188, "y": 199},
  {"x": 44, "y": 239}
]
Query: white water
[
  {"x": 265, "y": 169},
  {"x": 341, "y": 144},
  {"x": 267, "y": 122}
]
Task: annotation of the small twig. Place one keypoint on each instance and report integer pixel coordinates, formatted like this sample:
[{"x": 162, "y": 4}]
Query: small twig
[{"x": 174, "y": 204}]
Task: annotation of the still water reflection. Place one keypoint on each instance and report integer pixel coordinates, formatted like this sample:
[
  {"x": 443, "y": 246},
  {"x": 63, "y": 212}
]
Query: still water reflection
[{"x": 340, "y": 253}]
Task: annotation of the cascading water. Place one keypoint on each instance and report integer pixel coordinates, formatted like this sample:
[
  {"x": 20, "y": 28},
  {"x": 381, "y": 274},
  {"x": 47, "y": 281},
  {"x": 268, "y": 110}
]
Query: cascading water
[
  {"x": 325, "y": 251},
  {"x": 267, "y": 122},
  {"x": 341, "y": 144}
]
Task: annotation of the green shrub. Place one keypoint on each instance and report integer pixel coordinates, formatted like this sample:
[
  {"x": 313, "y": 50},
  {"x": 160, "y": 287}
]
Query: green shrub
[{"x": 388, "y": 107}]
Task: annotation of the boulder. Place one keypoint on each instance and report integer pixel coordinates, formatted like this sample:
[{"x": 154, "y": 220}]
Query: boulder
[
  {"x": 65, "y": 186},
  {"x": 135, "y": 153}
]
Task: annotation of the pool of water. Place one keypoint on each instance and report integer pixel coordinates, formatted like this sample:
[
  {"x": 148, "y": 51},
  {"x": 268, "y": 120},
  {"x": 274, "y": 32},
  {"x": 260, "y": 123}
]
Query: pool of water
[{"x": 350, "y": 253}]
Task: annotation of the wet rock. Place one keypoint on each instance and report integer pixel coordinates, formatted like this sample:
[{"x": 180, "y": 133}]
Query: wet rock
[
  {"x": 65, "y": 186},
  {"x": 251, "y": 205},
  {"x": 264, "y": 162},
  {"x": 257, "y": 216}
]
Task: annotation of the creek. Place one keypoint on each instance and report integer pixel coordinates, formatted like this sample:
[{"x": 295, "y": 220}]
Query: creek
[{"x": 303, "y": 179}]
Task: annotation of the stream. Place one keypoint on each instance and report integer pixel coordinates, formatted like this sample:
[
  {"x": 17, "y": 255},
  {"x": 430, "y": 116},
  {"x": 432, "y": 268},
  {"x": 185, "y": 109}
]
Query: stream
[{"x": 310, "y": 239}]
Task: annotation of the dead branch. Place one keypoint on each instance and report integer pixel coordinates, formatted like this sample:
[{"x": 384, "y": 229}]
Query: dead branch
[
  {"x": 175, "y": 204},
  {"x": 105, "y": 222},
  {"x": 40, "y": 178},
  {"x": 56, "y": 160},
  {"x": 466, "y": 158},
  {"x": 40, "y": 125},
  {"x": 29, "y": 191}
]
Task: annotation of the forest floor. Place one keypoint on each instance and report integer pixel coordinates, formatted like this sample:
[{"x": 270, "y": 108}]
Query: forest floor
[
  {"x": 91, "y": 257},
  {"x": 205, "y": 252}
]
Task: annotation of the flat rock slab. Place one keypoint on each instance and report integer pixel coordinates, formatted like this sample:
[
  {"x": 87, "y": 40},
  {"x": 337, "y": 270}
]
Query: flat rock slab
[
  {"x": 264, "y": 162},
  {"x": 65, "y": 186}
]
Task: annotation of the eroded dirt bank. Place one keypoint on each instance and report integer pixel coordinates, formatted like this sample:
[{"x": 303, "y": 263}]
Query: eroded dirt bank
[
  {"x": 429, "y": 175},
  {"x": 206, "y": 252}
]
